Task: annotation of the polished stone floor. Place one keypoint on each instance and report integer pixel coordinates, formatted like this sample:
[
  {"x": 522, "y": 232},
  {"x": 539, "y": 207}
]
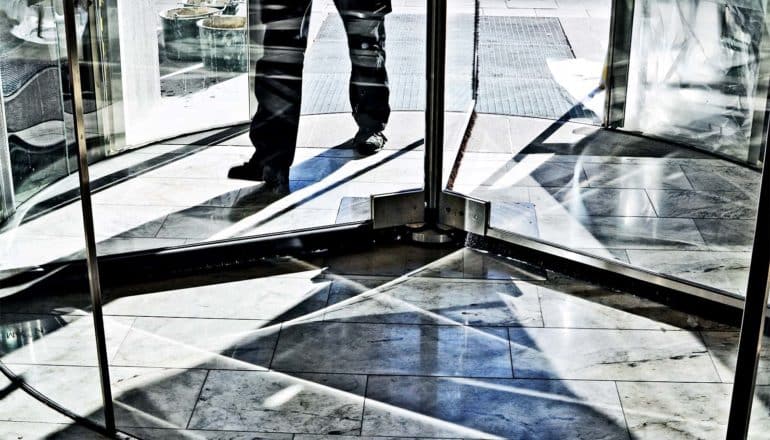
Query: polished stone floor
[
  {"x": 398, "y": 342},
  {"x": 652, "y": 205},
  {"x": 649, "y": 204}
]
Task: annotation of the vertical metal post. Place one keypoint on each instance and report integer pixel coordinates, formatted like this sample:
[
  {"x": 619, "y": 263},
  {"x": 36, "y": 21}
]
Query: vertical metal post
[
  {"x": 434, "y": 107},
  {"x": 88, "y": 220},
  {"x": 618, "y": 56},
  {"x": 7, "y": 203},
  {"x": 753, "y": 323},
  {"x": 759, "y": 121}
]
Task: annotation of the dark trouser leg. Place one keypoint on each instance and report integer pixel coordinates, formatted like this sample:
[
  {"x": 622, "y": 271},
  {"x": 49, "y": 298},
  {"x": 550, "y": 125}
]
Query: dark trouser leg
[
  {"x": 369, "y": 94},
  {"x": 278, "y": 82}
]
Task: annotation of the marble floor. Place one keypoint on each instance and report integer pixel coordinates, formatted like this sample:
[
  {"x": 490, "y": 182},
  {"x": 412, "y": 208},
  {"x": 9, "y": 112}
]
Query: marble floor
[
  {"x": 649, "y": 204},
  {"x": 398, "y": 342}
]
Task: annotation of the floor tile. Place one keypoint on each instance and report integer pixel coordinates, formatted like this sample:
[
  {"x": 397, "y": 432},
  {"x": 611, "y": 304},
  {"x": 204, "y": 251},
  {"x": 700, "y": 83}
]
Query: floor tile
[
  {"x": 155, "y": 397},
  {"x": 610, "y": 355},
  {"x": 679, "y": 410},
  {"x": 58, "y": 340},
  {"x": 50, "y": 431},
  {"x": 620, "y": 232},
  {"x": 519, "y": 218},
  {"x": 511, "y": 174},
  {"x": 636, "y": 176},
  {"x": 354, "y": 209},
  {"x": 391, "y": 262},
  {"x": 591, "y": 202},
  {"x": 610, "y": 254},
  {"x": 723, "y": 347},
  {"x": 722, "y": 270},
  {"x": 201, "y": 221},
  {"x": 511, "y": 194},
  {"x": 393, "y": 349},
  {"x": 343, "y": 288},
  {"x": 727, "y": 235},
  {"x": 703, "y": 204},
  {"x": 274, "y": 402},
  {"x": 721, "y": 178},
  {"x": 274, "y": 299},
  {"x": 18, "y": 406},
  {"x": 430, "y": 301},
  {"x": 473, "y": 264},
  {"x": 579, "y": 305},
  {"x": 145, "y": 191},
  {"x": 348, "y": 437},
  {"x": 490, "y": 134},
  {"x": 197, "y": 343},
  {"x": 195, "y": 434},
  {"x": 492, "y": 408}
]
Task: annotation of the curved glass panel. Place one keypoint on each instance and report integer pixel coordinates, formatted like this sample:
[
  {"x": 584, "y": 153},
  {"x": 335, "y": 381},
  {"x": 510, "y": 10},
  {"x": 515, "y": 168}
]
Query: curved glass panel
[
  {"x": 46, "y": 328},
  {"x": 694, "y": 72},
  {"x": 662, "y": 207},
  {"x": 461, "y": 77},
  {"x": 542, "y": 59},
  {"x": 337, "y": 108}
]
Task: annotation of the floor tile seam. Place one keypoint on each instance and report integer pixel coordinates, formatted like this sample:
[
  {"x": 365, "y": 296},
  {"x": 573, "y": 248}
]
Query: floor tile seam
[
  {"x": 399, "y": 324},
  {"x": 197, "y": 399},
  {"x": 171, "y": 429},
  {"x": 275, "y": 347},
  {"x": 708, "y": 244},
  {"x": 47, "y": 314},
  {"x": 687, "y": 177},
  {"x": 702, "y": 250},
  {"x": 466, "y": 280},
  {"x": 493, "y": 326},
  {"x": 267, "y": 320},
  {"x": 363, "y": 405},
  {"x": 122, "y": 341},
  {"x": 117, "y": 365},
  {"x": 510, "y": 352},
  {"x": 30, "y": 422},
  {"x": 474, "y": 278},
  {"x": 538, "y": 291},
  {"x": 586, "y": 217},
  {"x": 505, "y": 378},
  {"x": 623, "y": 410},
  {"x": 711, "y": 356}
]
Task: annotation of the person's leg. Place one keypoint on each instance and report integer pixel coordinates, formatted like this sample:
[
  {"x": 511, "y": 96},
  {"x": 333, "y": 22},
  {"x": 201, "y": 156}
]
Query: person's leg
[
  {"x": 278, "y": 88},
  {"x": 369, "y": 93}
]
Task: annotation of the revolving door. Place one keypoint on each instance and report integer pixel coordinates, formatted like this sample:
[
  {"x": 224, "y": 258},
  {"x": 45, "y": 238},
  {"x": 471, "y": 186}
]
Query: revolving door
[{"x": 621, "y": 140}]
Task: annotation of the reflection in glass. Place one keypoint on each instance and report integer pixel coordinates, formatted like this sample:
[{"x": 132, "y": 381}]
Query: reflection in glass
[
  {"x": 648, "y": 203},
  {"x": 694, "y": 68}
]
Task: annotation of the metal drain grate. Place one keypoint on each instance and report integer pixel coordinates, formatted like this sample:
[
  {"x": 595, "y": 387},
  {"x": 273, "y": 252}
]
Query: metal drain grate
[
  {"x": 327, "y": 66},
  {"x": 514, "y": 77}
]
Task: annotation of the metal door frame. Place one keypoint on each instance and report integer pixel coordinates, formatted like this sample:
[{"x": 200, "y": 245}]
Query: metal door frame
[
  {"x": 7, "y": 197},
  {"x": 436, "y": 207}
]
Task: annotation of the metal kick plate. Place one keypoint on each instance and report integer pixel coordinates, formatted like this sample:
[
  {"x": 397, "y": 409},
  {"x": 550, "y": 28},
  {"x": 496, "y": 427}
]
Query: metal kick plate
[
  {"x": 398, "y": 209},
  {"x": 462, "y": 212}
]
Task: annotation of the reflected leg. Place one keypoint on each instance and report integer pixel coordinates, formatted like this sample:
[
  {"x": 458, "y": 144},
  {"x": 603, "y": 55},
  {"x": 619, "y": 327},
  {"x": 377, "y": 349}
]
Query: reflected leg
[
  {"x": 369, "y": 93},
  {"x": 278, "y": 89}
]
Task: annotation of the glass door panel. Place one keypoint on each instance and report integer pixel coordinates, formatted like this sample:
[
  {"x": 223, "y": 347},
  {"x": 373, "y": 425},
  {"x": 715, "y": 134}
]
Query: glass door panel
[
  {"x": 461, "y": 78},
  {"x": 542, "y": 59},
  {"x": 694, "y": 71},
  {"x": 47, "y": 335},
  {"x": 35, "y": 113},
  {"x": 650, "y": 204},
  {"x": 196, "y": 189}
]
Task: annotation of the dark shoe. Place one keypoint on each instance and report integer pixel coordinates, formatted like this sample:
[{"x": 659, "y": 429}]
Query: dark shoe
[
  {"x": 368, "y": 142},
  {"x": 276, "y": 178},
  {"x": 262, "y": 195},
  {"x": 248, "y": 171}
]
